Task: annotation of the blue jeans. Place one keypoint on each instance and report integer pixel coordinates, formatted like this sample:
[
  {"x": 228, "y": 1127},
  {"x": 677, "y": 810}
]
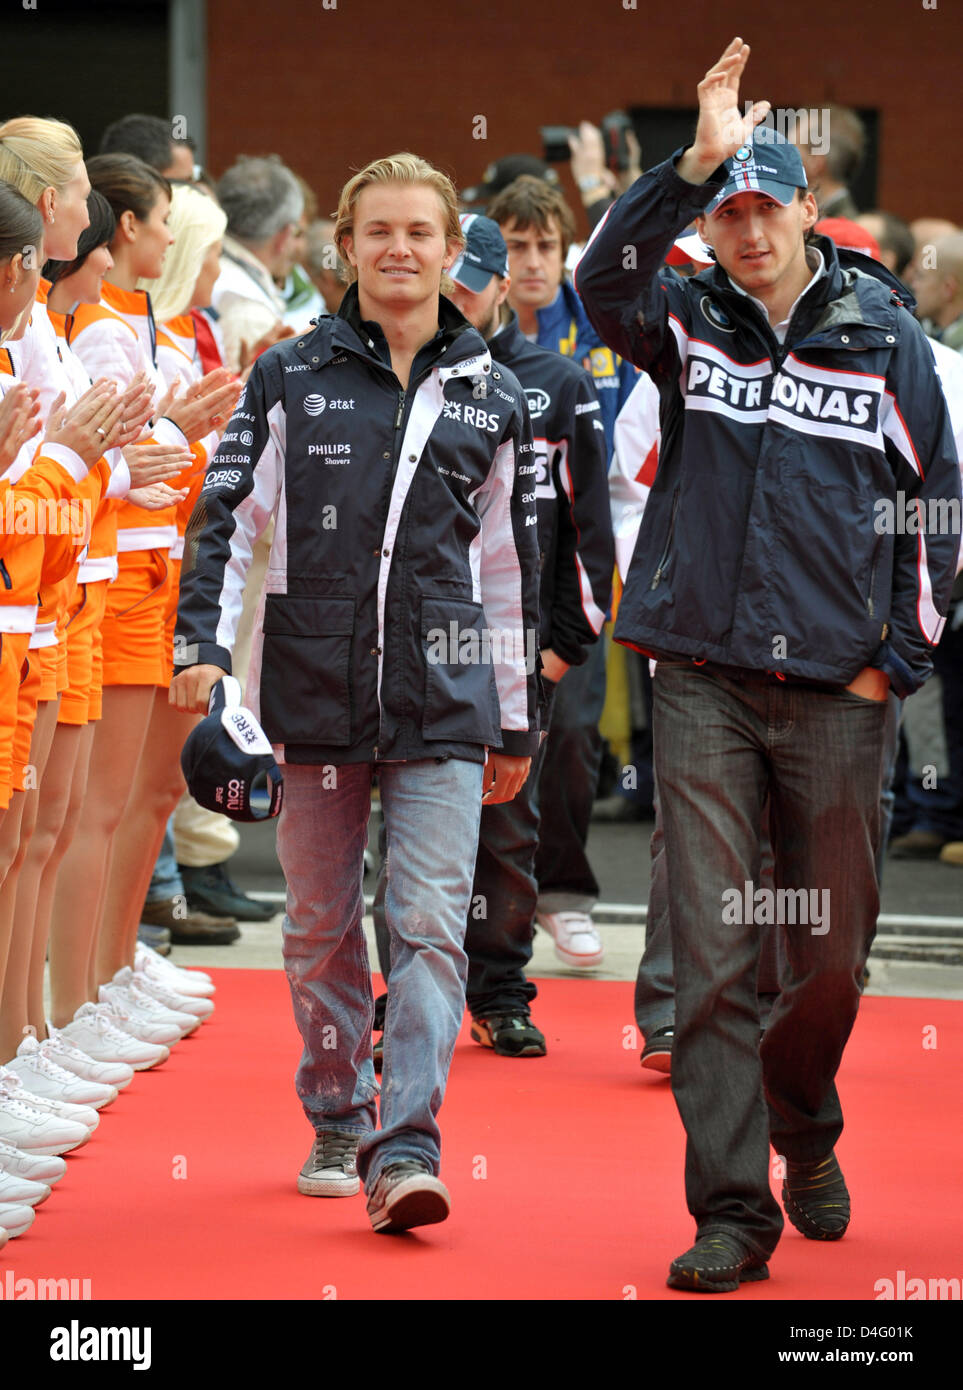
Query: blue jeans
[
  {"x": 721, "y": 744},
  {"x": 431, "y": 811}
]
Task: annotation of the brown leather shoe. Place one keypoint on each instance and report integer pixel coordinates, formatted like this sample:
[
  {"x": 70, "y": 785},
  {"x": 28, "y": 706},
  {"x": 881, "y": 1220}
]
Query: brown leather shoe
[
  {"x": 952, "y": 853},
  {"x": 918, "y": 844},
  {"x": 189, "y": 928}
]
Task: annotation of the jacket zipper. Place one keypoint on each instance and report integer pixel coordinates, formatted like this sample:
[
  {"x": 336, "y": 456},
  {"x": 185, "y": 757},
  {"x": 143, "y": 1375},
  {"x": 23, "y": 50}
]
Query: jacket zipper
[
  {"x": 7, "y": 581},
  {"x": 656, "y": 578},
  {"x": 872, "y": 584}
]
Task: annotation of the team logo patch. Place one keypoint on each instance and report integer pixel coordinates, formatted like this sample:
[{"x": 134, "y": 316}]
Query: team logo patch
[
  {"x": 716, "y": 316},
  {"x": 313, "y": 404},
  {"x": 538, "y": 401},
  {"x": 246, "y": 437}
]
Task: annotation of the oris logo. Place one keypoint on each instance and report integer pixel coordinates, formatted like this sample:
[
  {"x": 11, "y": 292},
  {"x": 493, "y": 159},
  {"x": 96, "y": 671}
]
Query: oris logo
[
  {"x": 246, "y": 437},
  {"x": 538, "y": 401},
  {"x": 314, "y": 404}
]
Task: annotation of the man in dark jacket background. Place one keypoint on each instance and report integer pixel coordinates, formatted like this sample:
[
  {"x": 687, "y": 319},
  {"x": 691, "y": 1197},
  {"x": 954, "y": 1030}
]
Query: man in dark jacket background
[
  {"x": 800, "y": 414},
  {"x": 398, "y": 635}
]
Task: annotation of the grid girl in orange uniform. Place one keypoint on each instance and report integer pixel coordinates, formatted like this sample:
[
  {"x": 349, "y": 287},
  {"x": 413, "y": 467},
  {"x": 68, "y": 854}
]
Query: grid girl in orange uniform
[{"x": 118, "y": 338}]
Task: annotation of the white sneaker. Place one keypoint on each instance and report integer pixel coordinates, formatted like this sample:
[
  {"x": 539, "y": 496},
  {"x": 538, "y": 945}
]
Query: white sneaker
[
  {"x": 186, "y": 981},
  {"x": 40, "y": 1073},
  {"x": 71, "y": 1058},
  {"x": 124, "y": 1014},
  {"x": 93, "y": 1030},
  {"x": 22, "y": 1190},
  {"x": 171, "y": 999},
  {"x": 15, "y": 1218},
  {"x": 36, "y": 1132},
  {"x": 140, "y": 1004},
  {"x": 577, "y": 940},
  {"x": 63, "y": 1109},
  {"x": 35, "y": 1167}
]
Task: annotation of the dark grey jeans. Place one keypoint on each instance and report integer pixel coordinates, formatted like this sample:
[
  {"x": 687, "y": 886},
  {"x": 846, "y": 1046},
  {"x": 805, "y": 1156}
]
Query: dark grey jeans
[{"x": 722, "y": 744}]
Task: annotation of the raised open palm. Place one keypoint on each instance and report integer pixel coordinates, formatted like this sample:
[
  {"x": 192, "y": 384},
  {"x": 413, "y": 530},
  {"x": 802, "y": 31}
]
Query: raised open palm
[{"x": 723, "y": 125}]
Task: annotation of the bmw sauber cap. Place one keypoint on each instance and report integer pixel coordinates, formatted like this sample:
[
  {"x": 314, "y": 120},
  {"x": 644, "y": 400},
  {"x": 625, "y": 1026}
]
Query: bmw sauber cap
[
  {"x": 768, "y": 164},
  {"x": 227, "y": 761}
]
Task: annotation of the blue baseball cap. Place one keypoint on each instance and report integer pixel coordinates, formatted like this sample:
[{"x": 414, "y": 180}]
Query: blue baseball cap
[
  {"x": 485, "y": 253},
  {"x": 767, "y": 164},
  {"x": 228, "y": 761}
]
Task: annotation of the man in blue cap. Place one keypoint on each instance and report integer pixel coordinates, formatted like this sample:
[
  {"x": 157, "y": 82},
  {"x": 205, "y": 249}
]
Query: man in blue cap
[{"x": 796, "y": 392}]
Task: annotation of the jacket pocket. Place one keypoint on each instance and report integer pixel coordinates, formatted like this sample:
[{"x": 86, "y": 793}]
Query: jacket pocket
[
  {"x": 461, "y": 694},
  {"x": 306, "y": 669}
]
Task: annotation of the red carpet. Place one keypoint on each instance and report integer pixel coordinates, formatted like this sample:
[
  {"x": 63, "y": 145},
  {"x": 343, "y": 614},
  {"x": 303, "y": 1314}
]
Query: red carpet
[{"x": 565, "y": 1171}]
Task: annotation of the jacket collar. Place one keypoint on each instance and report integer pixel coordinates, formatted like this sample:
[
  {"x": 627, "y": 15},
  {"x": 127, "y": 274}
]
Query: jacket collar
[
  {"x": 509, "y": 340},
  {"x": 854, "y": 292},
  {"x": 456, "y": 341}
]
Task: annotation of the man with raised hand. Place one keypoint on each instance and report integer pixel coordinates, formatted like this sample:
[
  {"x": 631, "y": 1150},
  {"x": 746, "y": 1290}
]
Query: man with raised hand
[
  {"x": 794, "y": 395},
  {"x": 392, "y": 452}
]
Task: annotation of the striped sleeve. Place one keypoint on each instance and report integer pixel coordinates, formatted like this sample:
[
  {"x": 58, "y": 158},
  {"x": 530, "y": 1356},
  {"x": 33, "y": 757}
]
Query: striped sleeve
[
  {"x": 919, "y": 443},
  {"x": 508, "y": 574},
  {"x": 239, "y": 497}
]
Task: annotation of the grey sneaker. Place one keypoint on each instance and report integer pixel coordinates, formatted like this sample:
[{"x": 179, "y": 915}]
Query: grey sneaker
[
  {"x": 330, "y": 1169},
  {"x": 405, "y": 1195}
]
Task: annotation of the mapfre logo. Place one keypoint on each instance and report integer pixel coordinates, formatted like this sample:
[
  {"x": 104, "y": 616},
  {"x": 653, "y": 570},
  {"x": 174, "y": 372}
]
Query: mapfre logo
[{"x": 314, "y": 404}]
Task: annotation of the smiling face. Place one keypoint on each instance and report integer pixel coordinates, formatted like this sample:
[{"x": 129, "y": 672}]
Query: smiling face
[
  {"x": 398, "y": 246},
  {"x": 535, "y": 262},
  {"x": 758, "y": 242}
]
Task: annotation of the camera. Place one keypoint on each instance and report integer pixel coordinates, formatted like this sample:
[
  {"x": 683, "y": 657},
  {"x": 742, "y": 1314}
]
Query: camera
[{"x": 615, "y": 127}]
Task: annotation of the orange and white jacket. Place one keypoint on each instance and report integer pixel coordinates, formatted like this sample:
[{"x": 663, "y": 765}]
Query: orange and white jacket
[
  {"x": 177, "y": 356},
  {"x": 117, "y": 338}
]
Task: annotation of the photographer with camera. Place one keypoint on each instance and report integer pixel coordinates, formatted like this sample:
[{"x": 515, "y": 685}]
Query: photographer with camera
[{"x": 606, "y": 160}]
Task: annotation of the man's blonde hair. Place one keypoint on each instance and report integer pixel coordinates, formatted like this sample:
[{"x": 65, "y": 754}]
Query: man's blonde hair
[
  {"x": 402, "y": 169},
  {"x": 36, "y": 154}
]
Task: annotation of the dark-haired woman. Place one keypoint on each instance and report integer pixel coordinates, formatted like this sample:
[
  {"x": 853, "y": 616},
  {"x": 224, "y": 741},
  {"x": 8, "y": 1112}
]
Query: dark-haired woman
[{"x": 117, "y": 338}]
